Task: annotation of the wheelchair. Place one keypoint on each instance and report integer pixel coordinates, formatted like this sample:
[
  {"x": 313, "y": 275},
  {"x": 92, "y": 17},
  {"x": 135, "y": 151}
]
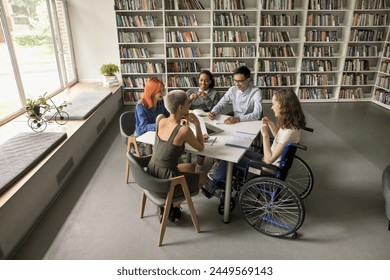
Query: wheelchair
[{"x": 270, "y": 197}]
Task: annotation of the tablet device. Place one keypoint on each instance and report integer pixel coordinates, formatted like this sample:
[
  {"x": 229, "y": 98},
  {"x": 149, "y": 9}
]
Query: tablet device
[{"x": 212, "y": 130}]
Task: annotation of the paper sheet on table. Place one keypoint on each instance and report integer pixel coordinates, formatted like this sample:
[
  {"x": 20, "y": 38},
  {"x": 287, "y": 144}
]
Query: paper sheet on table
[
  {"x": 241, "y": 140},
  {"x": 199, "y": 113},
  {"x": 220, "y": 119}
]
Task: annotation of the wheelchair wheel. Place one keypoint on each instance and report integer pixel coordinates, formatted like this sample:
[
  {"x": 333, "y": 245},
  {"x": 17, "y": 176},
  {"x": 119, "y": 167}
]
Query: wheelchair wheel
[
  {"x": 270, "y": 207},
  {"x": 300, "y": 178}
]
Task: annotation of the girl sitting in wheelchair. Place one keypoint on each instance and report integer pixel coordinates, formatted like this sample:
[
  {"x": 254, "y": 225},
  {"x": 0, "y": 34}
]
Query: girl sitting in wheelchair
[{"x": 287, "y": 129}]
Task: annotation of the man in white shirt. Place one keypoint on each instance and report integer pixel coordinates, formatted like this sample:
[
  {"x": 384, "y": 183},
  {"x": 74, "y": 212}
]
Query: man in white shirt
[{"x": 245, "y": 97}]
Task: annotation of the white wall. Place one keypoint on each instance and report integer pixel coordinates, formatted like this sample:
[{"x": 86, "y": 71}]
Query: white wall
[{"x": 94, "y": 34}]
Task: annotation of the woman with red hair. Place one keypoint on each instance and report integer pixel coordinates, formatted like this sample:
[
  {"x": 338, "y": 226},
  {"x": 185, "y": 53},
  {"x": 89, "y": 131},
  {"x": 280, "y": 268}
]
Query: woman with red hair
[{"x": 149, "y": 107}]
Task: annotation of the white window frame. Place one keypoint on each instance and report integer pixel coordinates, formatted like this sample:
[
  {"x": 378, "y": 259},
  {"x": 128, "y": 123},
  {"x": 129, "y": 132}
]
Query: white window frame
[{"x": 59, "y": 54}]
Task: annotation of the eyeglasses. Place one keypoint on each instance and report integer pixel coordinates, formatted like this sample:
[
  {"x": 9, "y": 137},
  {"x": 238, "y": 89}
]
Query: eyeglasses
[{"x": 240, "y": 81}]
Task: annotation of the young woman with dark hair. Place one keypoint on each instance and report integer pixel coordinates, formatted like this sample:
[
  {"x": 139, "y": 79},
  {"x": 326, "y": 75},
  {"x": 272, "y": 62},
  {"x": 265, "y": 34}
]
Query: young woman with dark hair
[{"x": 205, "y": 97}]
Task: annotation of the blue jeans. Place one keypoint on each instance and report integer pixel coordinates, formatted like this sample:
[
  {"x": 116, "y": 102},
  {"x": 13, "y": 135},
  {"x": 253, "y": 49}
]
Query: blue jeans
[{"x": 220, "y": 173}]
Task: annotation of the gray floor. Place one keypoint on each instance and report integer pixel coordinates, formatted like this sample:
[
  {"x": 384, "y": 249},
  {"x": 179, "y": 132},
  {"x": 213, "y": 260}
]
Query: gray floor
[{"x": 97, "y": 215}]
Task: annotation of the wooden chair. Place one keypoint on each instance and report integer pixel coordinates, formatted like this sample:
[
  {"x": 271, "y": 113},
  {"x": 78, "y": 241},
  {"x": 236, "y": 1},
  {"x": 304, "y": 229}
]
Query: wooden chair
[
  {"x": 160, "y": 192},
  {"x": 127, "y": 128},
  {"x": 131, "y": 143},
  {"x": 127, "y": 125}
]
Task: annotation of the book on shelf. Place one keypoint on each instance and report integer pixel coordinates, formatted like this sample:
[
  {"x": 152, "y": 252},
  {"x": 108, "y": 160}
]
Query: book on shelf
[
  {"x": 248, "y": 51},
  {"x": 231, "y": 36},
  {"x": 230, "y": 19},
  {"x": 356, "y": 65},
  {"x": 319, "y": 51},
  {"x": 134, "y": 37},
  {"x": 226, "y": 66},
  {"x": 277, "y": 51},
  {"x": 182, "y": 36},
  {"x": 314, "y": 93},
  {"x": 351, "y": 93},
  {"x": 144, "y": 67},
  {"x": 382, "y": 96},
  {"x": 181, "y": 20},
  {"x": 316, "y": 80},
  {"x": 325, "y": 4},
  {"x": 322, "y": 20},
  {"x": 185, "y": 66},
  {"x": 275, "y": 80},
  {"x": 370, "y": 4},
  {"x": 278, "y": 5},
  {"x": 369, "y": 19},
  {"x": 279, "y": 20},
  {"x": 229, "y": 4},
  {"x": 321, "y": 65},
  {"x": 183, "y": 5},
  {"x": 136, "y": 21},
  {"x": 274, "y": 36},
  {"x": 362, "y": 50}
]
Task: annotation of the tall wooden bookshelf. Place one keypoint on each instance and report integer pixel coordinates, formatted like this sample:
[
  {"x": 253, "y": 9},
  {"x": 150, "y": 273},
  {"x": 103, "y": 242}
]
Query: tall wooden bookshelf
[{"x": 324, "y": 50}]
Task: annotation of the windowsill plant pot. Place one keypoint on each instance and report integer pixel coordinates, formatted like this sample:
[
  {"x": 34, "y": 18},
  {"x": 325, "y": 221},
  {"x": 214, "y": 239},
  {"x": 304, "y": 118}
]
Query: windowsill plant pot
[{"x": 109, "y": 78}]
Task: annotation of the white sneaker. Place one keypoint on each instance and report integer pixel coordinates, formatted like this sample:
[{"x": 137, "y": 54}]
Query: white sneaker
[{"x": 213, "y": 169}]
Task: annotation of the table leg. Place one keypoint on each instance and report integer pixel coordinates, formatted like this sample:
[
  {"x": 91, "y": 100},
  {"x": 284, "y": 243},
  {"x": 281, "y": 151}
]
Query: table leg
[{"x": 228, "y": 192}]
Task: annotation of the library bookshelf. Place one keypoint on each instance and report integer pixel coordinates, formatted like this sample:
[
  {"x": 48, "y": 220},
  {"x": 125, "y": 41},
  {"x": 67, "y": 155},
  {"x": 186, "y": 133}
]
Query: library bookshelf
[{"x": 324, "y": 50}]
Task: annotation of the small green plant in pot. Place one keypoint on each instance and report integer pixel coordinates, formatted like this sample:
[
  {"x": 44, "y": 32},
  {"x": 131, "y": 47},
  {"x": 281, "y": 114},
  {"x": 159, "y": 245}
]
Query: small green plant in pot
[
  {"x": 33, "y": 106},
  {"x": 109, "y": 70}
]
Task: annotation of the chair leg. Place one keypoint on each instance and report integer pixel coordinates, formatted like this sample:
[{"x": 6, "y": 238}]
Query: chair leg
[
  {"x": 167, "y": 208},
  {"x": 127, "y": 171},
  {"x": 194, "y": 217},
  {"x": 143, "y": 203},
  {"x": 130, "y": 141}
]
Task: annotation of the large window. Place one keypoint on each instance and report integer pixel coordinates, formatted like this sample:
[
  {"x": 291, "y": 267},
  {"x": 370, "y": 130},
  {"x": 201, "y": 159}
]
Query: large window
[{"x": 35, "y": 52}]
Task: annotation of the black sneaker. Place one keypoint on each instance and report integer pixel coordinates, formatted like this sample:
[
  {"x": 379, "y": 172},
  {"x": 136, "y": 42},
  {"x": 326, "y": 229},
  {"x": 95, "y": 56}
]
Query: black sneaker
[
  {"x": 160, "y": 213},
  {"x": 174, "y": 213},
  {"x": 206, "y": 193},
  {"x": 177, "y": 212}
]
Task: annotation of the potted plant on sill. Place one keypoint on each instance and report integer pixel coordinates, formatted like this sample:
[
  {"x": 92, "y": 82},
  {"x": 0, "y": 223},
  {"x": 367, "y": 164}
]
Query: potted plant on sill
[
  {"x": 109, "y": 70},
  {"x": 37, "y": 108},
  {"x": 33, "y": 106}
]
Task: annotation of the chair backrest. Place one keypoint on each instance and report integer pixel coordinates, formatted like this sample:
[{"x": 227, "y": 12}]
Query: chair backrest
[
  {"x": 288, "y": 156},
  {"x": 143, "y": 178},
  {"x": 127, "y": 124},
  {"x": 386, "y": 179},
  {"x": 287, "y": 159}
]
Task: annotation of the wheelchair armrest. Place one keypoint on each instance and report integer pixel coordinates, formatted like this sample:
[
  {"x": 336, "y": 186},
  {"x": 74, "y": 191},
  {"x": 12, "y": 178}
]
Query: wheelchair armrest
[
  {"x": 308, "y": 129},
  {"x": 302, "y": 147}
]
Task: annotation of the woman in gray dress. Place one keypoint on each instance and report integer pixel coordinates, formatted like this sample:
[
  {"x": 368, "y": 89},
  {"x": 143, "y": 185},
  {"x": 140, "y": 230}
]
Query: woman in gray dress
[{"x": 171, "y": 134}]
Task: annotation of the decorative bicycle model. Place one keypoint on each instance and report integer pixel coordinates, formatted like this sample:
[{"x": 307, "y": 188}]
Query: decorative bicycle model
[{"x": 37, "y": 109}]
